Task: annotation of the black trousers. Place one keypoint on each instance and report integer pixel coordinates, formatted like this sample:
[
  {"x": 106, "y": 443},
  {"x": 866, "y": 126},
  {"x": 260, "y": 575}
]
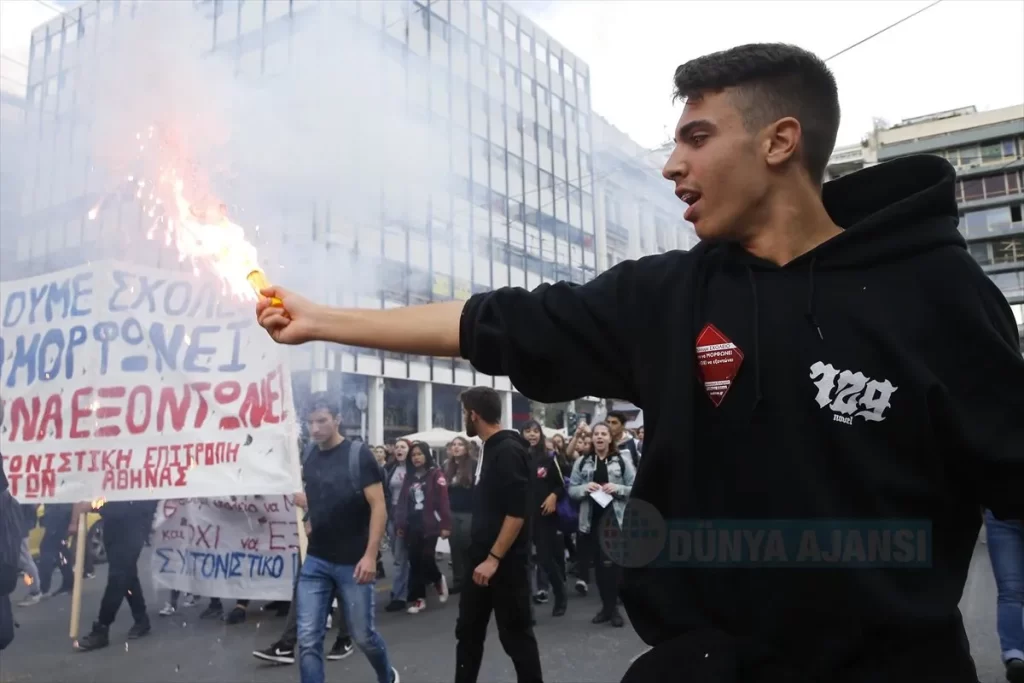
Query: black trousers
[
  {"x": 508, "y": 596},
  {"x": 422, "y": 564},
  {"x": 549, "y": 551},
  {"x": 55, "y": 553},
  {"x": 124, "y": 539},
  {"x": 607, "y": 574}
]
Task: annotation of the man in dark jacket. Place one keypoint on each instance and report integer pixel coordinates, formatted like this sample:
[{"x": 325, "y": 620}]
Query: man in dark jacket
[
  {"x": 126, "y": 526},
  {"x": 825, "y": 354},
  {"x": 498, "y": 548},
  {"x": 10, "y": 549}
]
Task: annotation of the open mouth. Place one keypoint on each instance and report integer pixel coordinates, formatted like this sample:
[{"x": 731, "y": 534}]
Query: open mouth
[{"x": 691, "y": 199}]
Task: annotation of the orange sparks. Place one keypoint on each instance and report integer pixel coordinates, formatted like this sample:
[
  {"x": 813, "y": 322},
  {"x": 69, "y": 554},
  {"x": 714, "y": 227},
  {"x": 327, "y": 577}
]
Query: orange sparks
[{"x": 199, "y": 230}]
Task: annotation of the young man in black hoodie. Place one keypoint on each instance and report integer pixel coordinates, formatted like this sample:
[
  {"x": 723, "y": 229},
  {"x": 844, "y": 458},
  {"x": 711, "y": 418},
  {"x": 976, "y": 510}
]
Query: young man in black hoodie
[
  {"x": 825, "y": 353},
  {"x": 498, "y": 546}
]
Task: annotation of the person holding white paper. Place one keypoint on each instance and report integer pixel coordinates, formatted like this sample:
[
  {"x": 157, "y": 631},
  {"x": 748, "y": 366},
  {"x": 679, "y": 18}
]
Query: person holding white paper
[{"x": 601, "y": 473}]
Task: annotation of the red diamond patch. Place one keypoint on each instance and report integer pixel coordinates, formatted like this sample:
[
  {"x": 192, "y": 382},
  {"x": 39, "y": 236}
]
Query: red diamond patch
[{"x": 718, "y": 362}]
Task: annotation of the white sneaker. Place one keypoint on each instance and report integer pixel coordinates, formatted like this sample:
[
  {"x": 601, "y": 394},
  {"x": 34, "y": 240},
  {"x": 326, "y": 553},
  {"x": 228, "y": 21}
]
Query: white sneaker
[
  {"x": 394, "y": 676},
  {"x": 417, "y": 606},
  {"x": 31, "y": 599},
  {"x": 190, "y": 600},
  {"x": 329, "y": 621},
  {"x": 442, "y": 589},
  {"x": 581, "y": 586},
  {"x": 168, "y": 610}
]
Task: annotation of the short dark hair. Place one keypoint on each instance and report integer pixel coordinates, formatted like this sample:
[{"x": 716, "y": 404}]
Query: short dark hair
[
  {"x": 774, "y": 80},
  {"x": 617, "y": 415},
  {"x": 484, "y": 401},
  {"x": 323, "y": 401}
]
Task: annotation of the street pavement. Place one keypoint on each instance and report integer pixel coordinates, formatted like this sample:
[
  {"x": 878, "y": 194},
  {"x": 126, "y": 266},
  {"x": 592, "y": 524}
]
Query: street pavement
[{"x": 186, "y": 649}]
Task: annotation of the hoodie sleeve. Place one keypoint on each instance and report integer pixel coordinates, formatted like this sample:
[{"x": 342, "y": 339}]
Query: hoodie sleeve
[
  {"x": 982, "y": 376},
  {"x": 512, "y": 463},
  {"x": 561, "y": 341}
]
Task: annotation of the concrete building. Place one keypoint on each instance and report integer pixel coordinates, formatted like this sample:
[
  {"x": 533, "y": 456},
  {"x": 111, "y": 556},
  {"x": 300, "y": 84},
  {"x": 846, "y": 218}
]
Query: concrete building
[
  {"x": 521, "y": 212},
  {"x": 987, "y": 149},
  {"x": 636, "y": 209}
]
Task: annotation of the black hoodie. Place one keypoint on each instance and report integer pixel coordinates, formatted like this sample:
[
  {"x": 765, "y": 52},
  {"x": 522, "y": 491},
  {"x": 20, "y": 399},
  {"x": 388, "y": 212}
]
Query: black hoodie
[
  {"x": 503, "y": 490},
  {"x": 894, "y": 298}
]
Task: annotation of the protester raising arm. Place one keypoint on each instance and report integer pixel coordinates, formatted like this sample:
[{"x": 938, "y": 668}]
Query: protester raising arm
[{"x": 555, "y": 343}]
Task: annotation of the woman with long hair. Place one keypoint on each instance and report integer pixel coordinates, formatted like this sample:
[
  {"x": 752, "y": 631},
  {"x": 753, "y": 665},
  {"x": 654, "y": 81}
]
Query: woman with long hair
[
  {"x": 394, "y": 477},
  {"x": 545, "y": 488},
  {"x": 422, "y": 516},
  {"x": 603, "y": 469},
  {"x": 460, "y": 471}
]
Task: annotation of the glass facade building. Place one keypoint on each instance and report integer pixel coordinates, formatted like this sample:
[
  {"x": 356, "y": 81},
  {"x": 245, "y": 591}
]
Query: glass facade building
[{"x": 504, "y": 102}]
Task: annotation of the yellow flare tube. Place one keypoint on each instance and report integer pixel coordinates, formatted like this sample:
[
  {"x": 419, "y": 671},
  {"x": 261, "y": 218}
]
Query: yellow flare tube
[{"x": 259, "y": 282}]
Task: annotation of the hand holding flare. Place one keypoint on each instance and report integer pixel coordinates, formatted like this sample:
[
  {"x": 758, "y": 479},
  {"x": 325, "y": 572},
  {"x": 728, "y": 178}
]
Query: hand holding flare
[{"x": 258, "y": 280}]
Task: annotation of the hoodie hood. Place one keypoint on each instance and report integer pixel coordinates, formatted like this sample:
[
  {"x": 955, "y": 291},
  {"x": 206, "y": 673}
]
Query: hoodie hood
[{"x": 506, "y": 435}]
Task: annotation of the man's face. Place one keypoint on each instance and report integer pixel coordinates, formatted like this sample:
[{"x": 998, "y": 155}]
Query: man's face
[
  {"x": 322, "y": 426},
  {"x": 717, "y": 167},
  {"x": 640, "y": 433},
  {"x": 467, "y": 417},
  {"x": 615, "y": 426}
]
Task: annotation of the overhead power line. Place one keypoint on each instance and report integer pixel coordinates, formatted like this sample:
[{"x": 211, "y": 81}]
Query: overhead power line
[{"x": 881, "y": 31}]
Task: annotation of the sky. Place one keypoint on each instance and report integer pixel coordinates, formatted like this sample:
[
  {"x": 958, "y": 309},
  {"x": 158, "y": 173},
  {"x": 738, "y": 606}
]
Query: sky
[{"x": 956, "y": 54}]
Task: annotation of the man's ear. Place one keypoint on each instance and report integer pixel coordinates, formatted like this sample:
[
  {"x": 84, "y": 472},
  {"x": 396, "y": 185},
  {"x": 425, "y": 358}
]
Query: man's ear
[{"x": 782, "y": 141}]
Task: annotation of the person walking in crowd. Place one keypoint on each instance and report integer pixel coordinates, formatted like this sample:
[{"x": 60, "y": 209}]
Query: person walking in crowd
[
  {"x": 10, "y": 551},
  {"x": 546, "y": 485},
  {"x": 803, "y": 323},
  {"x": 609, "y": 471},
  {"x": 394, "y": 478},
  {"x": 282, "y": 651},
  {"x": 579, "y": 445},
  {"x": 126, "y": 526},
  {"x": 622, "y": 439},
  {"x": 459, "y": 471},
  {"x": 54, "y": 549},
  {"x": 423, "y": 515},
  {"x": 347, "y": 515},
  {"x": 25, "y": 561},
  {"x": 1006, "y": 551},
  {"x": 499, "y": 546}
]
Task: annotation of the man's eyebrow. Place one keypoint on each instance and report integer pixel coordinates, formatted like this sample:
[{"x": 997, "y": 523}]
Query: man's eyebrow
[{"x": 688, "y": 128}]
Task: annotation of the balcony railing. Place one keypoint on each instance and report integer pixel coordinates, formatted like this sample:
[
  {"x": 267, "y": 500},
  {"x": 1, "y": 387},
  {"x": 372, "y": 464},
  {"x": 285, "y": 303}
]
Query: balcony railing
[{"x": 990, "y": 231}]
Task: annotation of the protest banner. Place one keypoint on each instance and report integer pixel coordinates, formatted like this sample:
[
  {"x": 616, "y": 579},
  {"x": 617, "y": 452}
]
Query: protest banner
[
  {"x": 233, "y": 548},
  {"x": 123, "y": 382}
]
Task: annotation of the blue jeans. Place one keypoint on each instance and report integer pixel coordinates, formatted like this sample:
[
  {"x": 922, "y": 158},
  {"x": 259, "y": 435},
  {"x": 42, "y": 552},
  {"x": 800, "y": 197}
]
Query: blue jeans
[
  {"x": 400, "y": 549},
  {"x": 318, "y": 581},
  {"x": 1006, "y": 551}
]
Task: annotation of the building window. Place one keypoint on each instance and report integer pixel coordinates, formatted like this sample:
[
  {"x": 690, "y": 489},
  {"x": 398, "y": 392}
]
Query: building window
[
  {"x": 541, "y": 93},
  {"x": 493, "y": 18},
  {"x": 973, "y": 189},
  {"x": 542, "y": 54},
  {"x": 568, "y": 73},
  {"x": 995, "y": 186},
  {"x": 526, "y": 42},
  {"x": 510, "y": 30},
  {"x": 979, "y": 250},
  {"x": 555, "y": 63}
]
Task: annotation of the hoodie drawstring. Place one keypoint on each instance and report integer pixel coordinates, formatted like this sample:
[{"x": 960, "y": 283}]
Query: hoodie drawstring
[
  {"x": 757, "y": 340},
  {"x": 810, "y": 300}
]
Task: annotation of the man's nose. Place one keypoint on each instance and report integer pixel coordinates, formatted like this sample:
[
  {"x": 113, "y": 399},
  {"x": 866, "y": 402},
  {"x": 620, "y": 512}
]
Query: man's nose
[{"x": 675, "y": 167}]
